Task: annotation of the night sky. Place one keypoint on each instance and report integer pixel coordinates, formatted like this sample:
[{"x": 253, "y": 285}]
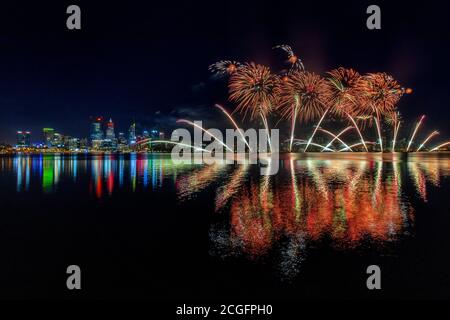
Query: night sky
[{"x": 149, "y": 62}]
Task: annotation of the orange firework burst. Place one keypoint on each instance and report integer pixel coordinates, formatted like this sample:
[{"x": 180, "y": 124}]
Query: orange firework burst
[
  {"x": 345, "y": 91},
  {"x": 381, "y": 93},
  {"x": 224, "y": 67},
  {"x": 306, "y": 94},
  {"x": 255, "y": 89}
]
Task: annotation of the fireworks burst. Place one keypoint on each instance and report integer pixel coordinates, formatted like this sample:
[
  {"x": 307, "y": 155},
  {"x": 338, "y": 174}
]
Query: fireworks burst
[
  {"x": 303, "y": 95},
  {"x": 345, "y": 91},
  {"x": 294, "y": 61},
  {"x": 224, "y": 67},
  {"x": 300, "y": 95},
  {"x": 381, "y": 93},
  {"x": 255, "y": 89},
  {"x": 305, "y": 91}
]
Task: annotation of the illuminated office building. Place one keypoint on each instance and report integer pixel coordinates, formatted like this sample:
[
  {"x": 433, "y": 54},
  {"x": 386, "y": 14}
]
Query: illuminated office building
[
  {"x": 84, "y": 144},
  {"x": 48, "y": 136},
  {"x": 72, "y": 144},
  {"x": 122, "y": 140},
  {"x": 132, "y": 134},
  {"x": 96, "y": 129},
  {"x": 23, "y": 139},
  {"x": 58, "y": 140},
  {"x": 122, "y": 143},
  {"x": 110, "y": 135}
]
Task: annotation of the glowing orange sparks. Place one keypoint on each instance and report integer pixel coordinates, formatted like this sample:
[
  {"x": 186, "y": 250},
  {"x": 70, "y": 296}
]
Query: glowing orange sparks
[
  {"x": 293, "y": 59},
  {"x": 434, "y": 133},
  {"x": 359, "y": 132},
  {"x": 415, "y": 131},
  {"x": 380, "y": 139},
  {"x": 356, "y": 144},
  {"x": 397, "y": 127},
  {"x": 315, "y": 130},
  {"x": 293, "y": 128},
  {"x": 205, "y": 131},
  {"x": 235, "y": 125},
  {"x": 440, "y": 146},
  {"x": 336, "y": 137}
]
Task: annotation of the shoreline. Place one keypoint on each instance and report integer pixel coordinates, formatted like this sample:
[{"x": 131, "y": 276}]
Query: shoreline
[{"x": 332, "y": 154}]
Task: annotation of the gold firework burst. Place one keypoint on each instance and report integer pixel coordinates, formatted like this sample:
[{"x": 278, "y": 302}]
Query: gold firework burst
[
  {"x": 381, "y": 93},
  {"x": 255, "y": 89},
  {"x": 346, "y": 91},
  {"x": 306, "y": 94}
]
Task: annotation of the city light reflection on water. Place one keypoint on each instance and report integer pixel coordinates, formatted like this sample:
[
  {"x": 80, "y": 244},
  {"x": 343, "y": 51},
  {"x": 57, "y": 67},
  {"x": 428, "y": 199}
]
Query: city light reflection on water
[{"x": 347, "y": 198}]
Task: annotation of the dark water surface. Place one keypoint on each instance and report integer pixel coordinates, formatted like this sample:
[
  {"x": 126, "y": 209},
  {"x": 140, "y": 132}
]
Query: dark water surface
[{"x": 140, "y": 226}]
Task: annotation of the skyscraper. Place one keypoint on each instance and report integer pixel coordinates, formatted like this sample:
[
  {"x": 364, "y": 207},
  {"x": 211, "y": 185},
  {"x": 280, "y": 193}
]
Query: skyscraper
[
  {"x": 96, "y": 129},
  {"x": 23, "y": 139},
  {"x": 132, "y": 134},
  {"x": 58, "y": 140},
  {"x": 48, "y": 136},
  {"x": 122, "y": 138},
  {"x": 110, "y": 131},
  {"x": 84, "y": 144},
  {"x": 122, "y": 143}
]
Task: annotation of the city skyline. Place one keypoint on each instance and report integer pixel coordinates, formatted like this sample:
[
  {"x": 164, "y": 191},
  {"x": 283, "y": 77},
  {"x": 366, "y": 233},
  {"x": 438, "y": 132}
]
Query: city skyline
[
  {"x": 107, "y": 130},
  {"x": 102, "y": 137}
]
